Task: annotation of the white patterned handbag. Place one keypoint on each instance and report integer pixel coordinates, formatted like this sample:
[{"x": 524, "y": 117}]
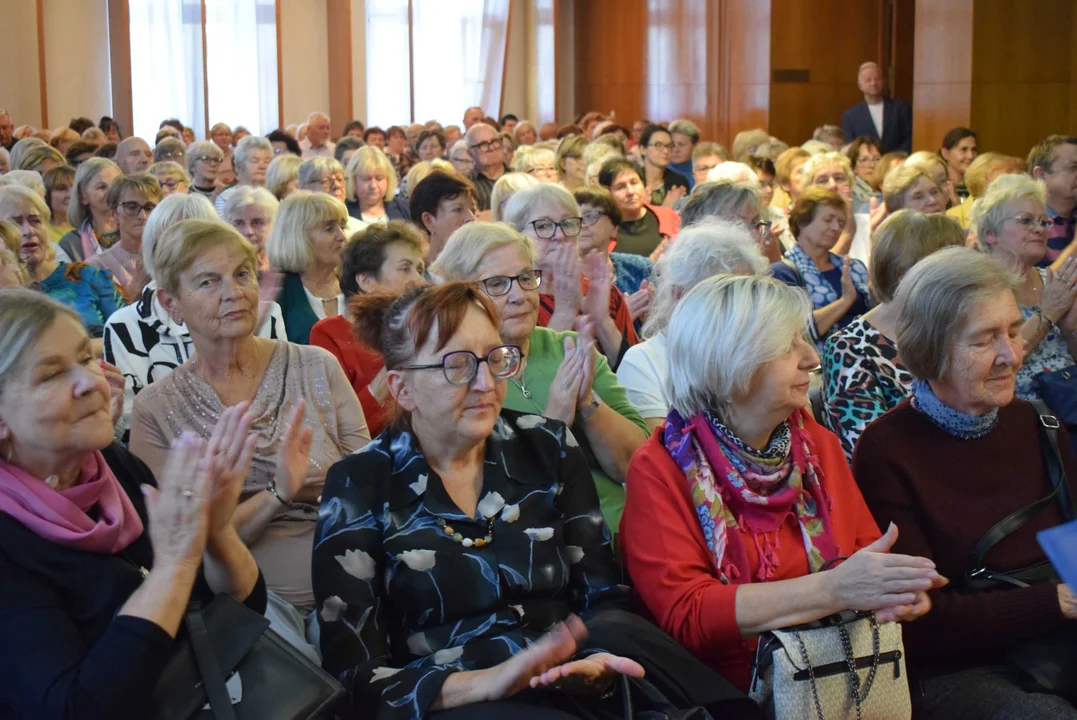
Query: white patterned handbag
[{"x": 843, "y": 666}]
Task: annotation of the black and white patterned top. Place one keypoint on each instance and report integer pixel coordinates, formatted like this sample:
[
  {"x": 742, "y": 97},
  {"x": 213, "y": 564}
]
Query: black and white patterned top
[{"x": 401, "y": 605}]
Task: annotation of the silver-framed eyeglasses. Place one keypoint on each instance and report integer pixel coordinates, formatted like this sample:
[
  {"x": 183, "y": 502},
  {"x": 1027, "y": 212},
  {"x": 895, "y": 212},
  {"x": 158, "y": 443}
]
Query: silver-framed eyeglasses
[
  {"x": 1030, "y": 222},
  {"x": 499, "y": 285},
  {"x": 461, "y": 367},
  {"x": 546, "y": 228}
]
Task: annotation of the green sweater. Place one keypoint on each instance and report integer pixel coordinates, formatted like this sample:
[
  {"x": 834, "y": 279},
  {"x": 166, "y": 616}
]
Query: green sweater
[{"x": 545, "y": 356}]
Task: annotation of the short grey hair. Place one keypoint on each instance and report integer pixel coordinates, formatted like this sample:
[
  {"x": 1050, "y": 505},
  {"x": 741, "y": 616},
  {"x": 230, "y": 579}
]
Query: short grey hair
[
  {"x": 243, "y": 196},
  {"x": 77, "y": 213},
  {"x": 821, "y": 160},
  {"x": 460, "y": 144},
  {"x": 722, "y": 332},
  {"x": 724, "y": 198},
  {"x": 167, "y": 146},
  {"x": 710, "y": 246},
  {"x": 933, "y": 303},
  {"x": 202, "y": 148},
  {"x": 29, "y": 179},
  {"x": 175, "y": 208},
  {"x": 685, "y": 127},
  {"x": 732, "y": 170},
  {"x": 246, "y": 146},
  {"x": 312, "y": 171},
  {"x": 519, "y": 207},
  {"x": 25, "y": 315},
  {"x": 991, "y": 210},
  {"x": 468, "y": 245}
]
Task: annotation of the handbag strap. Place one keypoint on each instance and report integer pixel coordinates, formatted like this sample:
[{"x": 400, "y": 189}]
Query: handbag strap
[
  {"x": 1019, "y": 518},
  {"x": 208, "y": 667}
]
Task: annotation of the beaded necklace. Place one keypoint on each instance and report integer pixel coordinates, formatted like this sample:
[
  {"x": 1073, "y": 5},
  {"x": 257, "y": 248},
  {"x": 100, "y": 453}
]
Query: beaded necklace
[{"x": 468, "y": 542}]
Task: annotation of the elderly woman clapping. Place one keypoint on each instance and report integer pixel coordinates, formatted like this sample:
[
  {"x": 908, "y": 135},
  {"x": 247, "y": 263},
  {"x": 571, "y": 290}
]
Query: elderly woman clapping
[
  {"x": 98, "y": 566},
  {"x": 141, "y": 339},
  {"x": 560, "y": 375},
  {"x": 1011, "y": 224},
  {"x": 503, "y": 538},
  {"x": 862, "y": 374},
  {"x": 306, "y": 415},
  {"x": 960, "y": 455},
  {"x": 707, "y": 247},
  {"x": 737, "y": 503},
  {"x": 306, "y": 245}
]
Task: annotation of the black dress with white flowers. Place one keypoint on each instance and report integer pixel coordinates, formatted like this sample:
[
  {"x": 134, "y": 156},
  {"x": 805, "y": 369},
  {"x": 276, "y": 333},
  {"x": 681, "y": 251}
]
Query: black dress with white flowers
[{"x": 401, "y": 604}]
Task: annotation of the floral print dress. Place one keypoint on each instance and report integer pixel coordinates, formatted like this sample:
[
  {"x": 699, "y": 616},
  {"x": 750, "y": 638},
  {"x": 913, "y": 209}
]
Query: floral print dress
[
  {"x": 401, "y": 604},
  {"x": 1050, "y": 354},
  {"x": 862, "y": 380}
]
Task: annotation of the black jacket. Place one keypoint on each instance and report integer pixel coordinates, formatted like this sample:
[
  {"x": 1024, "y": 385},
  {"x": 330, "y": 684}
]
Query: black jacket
[
  {"x": 897, "y": 124},
  {"x": 64, "y": 653}
]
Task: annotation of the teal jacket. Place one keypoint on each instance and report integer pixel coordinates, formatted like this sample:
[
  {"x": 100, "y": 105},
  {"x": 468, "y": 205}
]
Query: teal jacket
[{"x": 299, "y": 317}]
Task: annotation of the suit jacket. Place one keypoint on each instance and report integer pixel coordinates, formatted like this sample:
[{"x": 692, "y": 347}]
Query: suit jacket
[{"x": 897, "y": 124}]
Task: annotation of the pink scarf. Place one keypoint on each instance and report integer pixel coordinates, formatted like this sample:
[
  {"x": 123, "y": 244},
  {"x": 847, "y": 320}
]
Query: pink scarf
[{"x": 60, "y": 517}]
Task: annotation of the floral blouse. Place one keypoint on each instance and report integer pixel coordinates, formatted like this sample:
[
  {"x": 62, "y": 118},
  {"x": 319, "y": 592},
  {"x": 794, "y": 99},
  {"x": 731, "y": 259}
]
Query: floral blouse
[
  {"x": 862, "y": 380},
  {"x": 1050, "y": 354},
  {"x": 401, "y": 605}
]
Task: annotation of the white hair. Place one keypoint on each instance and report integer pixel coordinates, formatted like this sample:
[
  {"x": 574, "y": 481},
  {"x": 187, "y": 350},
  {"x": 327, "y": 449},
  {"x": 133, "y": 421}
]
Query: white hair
[
  {"x": 27, "y": 178},
  {"x": 732, "y": 171},
  {"x": 722, "y": 332},
  {"x": 997, "y": 204},
  {"x": 246, "y": 146},
  {"x": 711, "y": 246},
  {"x": 243, "y": 196},
  {"x": 173, "y": 209},
  {"x": 521, "y": 205},
  {"x": 460, "y": 144},
  {"x": 468, "y": 245},
  {"x": 317, "y": 115}
]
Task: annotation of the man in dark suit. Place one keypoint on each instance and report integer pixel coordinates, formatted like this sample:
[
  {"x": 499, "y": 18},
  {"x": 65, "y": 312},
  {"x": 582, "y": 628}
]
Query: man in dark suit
[{"x": 888, "y": 121}]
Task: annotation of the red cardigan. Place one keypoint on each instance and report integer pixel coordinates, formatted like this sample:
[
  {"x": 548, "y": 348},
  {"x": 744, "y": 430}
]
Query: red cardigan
[
  {"x": 672, "y": 569},
  {"x": 360, "y": 364}
]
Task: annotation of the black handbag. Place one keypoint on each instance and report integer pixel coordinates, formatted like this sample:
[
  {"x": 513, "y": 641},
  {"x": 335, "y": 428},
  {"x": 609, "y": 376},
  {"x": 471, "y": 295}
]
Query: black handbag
[
  {"x": 1059, "y": 390},
  {"x": 230, "y": 658},
  {"x": 1048, "y": 664}
]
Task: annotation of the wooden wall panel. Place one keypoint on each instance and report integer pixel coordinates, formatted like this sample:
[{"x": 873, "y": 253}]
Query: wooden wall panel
[
  {"x": 942, "y": 70},
  {"x": 611, "y": 49},
  {"x": 744, "y": 73},
  {"x": 119, "y": 34},
  {"x": 829, "y": 39},
  {"x": 339, "y": 37}
]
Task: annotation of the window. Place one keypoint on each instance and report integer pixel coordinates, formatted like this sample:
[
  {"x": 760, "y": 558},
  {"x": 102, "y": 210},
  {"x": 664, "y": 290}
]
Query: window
[
  {"x": 457, "y": 55},
  {"x": 167, "y": 78}
]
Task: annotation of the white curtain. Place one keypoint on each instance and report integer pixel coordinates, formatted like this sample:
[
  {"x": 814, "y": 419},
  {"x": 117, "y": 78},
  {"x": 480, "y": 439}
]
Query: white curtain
[
  {"x": 166, "y": 64},
  {"x": 458, "y": 53},
  {"x": 241, "y": 54}
]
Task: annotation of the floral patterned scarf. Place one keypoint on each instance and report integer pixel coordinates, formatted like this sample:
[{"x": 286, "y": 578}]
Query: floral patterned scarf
[{"x": 736, "y": 487}]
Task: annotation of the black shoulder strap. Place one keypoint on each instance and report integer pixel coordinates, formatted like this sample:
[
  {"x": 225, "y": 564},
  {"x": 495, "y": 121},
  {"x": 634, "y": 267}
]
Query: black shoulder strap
[
  {"x": 1059, "y": 489},
  {"x": 208, "y": 667}
]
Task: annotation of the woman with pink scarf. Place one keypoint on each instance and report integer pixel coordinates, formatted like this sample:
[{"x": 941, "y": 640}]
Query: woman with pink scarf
[
  {"x": 736, "y": 505},
  {"x": 98, "y": 559}
]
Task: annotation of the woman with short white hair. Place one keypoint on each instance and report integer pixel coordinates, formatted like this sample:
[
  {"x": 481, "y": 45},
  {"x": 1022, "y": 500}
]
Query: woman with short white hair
[
  {"x": 305, "y": 244},
  {"x": 954, "y": 462},
  {"x": 1010, "y": 223},
  {"x": 912, "y": 187},
  {"x": 282, "y": 177},
  {"x": 251, "y": 160},
  {"x": 371, "y": 187},
  {"x": 460, "y": 157},
  {"x": 538, "y": 162},
  {"x": 708, "y": 247},
  {"x": 737, "y": 504},
  {"x": 204, "y": 160},
  {"x": 560, "y": 376},
  {"x": 506, "y": 186},
  {"x": 141, "y": 339},
  {"x": 88, "y": 210},
  {"x": 251, "y": 211}
]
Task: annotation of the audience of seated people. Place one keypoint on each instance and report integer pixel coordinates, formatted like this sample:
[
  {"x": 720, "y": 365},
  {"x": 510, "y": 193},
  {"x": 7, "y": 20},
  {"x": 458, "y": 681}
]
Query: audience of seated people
[{"x": 584, "y": 354}]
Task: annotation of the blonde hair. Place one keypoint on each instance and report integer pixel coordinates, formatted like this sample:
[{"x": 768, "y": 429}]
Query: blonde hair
[
  {"x": 988, "y": 164},
  {"x": 63, "y": 134},
  {"x": 25, "y": 315},
  {"x": 31, "y": 159},
  {"x": 420, "y": 170},
  {"x": 465, "y": 249},
  {"x": 288, "y": 245},
  {"x": 20, "y": 195},
  {"x": 77, "y": 213},
  {"x": 371, "y": 159},
  {"x": 899, "y": 181},
  {"x": 506, "y": 186},
  {"x": 282, "y": 170},
  {"x": 528, "y": 156},
  {"x": 167, "y": 169},
  {"x": 183, "y": 243},
  {"x": 570, "y": 146},
  {"x": 821, "y": 160}
]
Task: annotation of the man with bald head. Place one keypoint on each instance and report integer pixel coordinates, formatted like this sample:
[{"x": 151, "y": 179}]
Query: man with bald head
[
  {"x": 133, "y": 155},
  {"x": 887, "y": 120},
  {"x": 485, "y": 149},
  {"x": 472, "y": 116},
  {"x": 316, "y": 143}
]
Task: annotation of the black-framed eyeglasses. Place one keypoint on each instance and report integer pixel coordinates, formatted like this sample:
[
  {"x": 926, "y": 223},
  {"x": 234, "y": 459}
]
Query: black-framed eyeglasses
[
  {"x": 546, "y": 228},
  {"x": 486, "y": 146},
  {"x": 498, "y": 285},
  {"x": 591, "y": 217},
  {"x": 208, "y": 160},
  {"x": 1028, "y": 222},
  {"x": 132, "y": 208},
  {"x": 461, "y": 367},
  {"x": 661, "y": 146}
]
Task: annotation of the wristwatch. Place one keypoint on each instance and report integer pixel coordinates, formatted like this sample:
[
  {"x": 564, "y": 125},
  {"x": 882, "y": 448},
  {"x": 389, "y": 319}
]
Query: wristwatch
[{"x": 590, "y": 410}]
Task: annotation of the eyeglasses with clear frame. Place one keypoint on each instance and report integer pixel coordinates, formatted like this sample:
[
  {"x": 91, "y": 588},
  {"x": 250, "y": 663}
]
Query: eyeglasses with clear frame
[
  {"x": 1029, "y": 222},
  {"x": 546, "y": 228},
  {"x": 498, "y": 285},
  {"x": 461, "y": 367}
]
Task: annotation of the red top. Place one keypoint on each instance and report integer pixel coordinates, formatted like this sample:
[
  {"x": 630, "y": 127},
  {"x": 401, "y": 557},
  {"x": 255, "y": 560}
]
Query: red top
[
  {"x": 360, "y": 364},
  {"x": 673, "y": 571},
  {"x": 622, "y": 318}
]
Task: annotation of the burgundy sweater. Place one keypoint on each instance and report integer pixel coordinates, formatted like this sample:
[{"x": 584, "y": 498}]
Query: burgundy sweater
[{"x": 944, "y": 493}]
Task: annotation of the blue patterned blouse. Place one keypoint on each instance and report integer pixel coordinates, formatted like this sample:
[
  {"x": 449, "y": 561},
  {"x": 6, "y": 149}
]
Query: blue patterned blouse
[
  {"x": 401, "y": 605},
  {"x": 87, "y": 290}
]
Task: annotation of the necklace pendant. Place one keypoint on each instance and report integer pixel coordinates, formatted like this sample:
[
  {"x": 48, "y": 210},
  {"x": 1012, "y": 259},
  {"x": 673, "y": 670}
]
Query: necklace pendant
[{"x": 526, "y": 393}]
